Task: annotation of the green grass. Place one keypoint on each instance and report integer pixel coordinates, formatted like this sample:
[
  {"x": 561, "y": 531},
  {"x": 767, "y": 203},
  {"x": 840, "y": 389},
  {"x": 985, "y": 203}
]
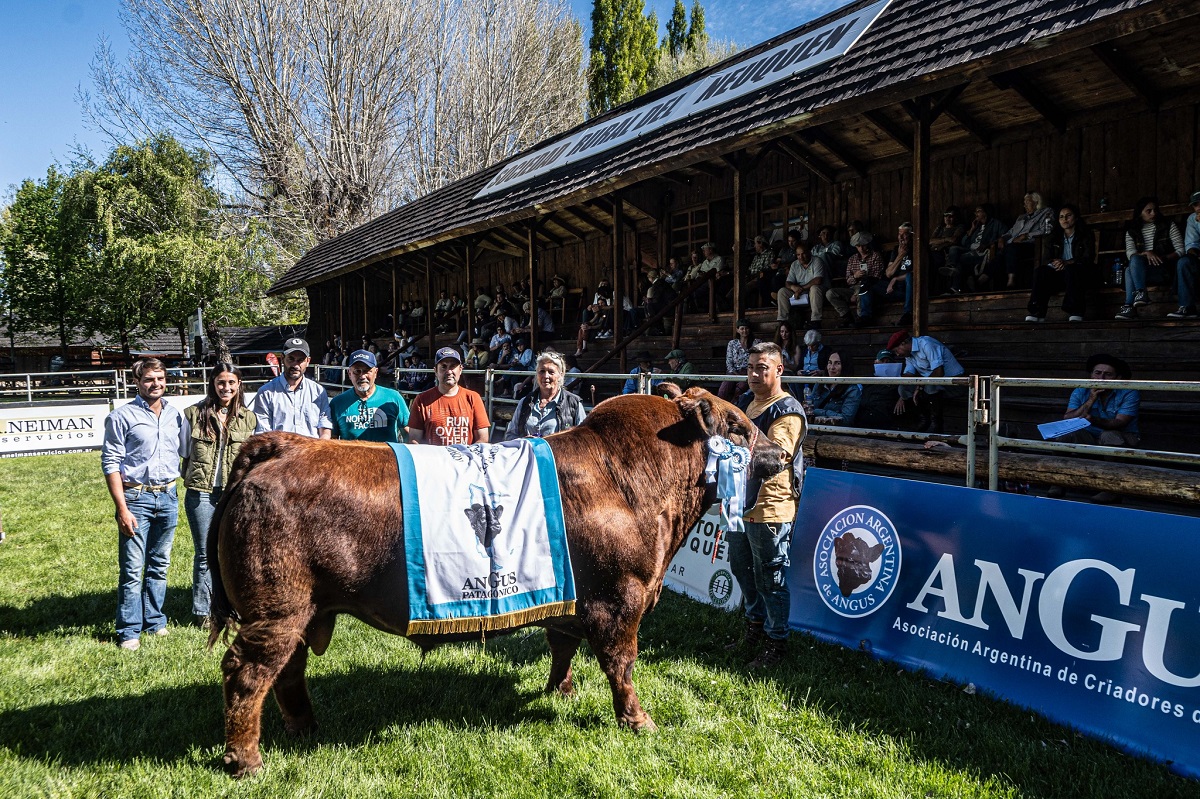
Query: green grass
[{"x": 78, "y": 717}]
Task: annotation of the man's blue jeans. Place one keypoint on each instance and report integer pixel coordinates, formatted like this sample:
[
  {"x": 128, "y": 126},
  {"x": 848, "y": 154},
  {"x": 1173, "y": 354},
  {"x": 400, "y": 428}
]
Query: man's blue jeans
[
  {"x": 1185, "y": 273},
  {"x": 759, "y": 557},
  {"x": 144, "y": 558},
  {"x": 200, "y": 506}
]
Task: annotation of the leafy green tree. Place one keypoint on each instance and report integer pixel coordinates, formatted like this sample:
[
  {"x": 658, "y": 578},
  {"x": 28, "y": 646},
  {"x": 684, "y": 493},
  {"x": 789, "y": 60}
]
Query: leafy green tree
[
  {"x": 47, "y": 282},
  {"x": 697, "y": 38},
  {"x": 624, "y": 53},
  {"x": 676, "y": 38}
]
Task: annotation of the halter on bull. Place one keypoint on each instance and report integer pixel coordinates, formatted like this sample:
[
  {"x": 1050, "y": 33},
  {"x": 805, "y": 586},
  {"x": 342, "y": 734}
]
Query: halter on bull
[{"x": 309, "y": 529}]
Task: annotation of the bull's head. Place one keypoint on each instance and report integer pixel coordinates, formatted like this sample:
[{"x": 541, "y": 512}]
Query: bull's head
[
  {"x": 854, "y": 559},
  {"x": 485, "y": 521},
  {"x": 716, "y": 417}
]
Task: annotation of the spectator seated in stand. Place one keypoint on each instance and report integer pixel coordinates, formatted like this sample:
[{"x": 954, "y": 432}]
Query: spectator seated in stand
[
  {"x": 864, "y": 267},
  {"x": 878, "y": 408},
  {"x": 760, "y": 283},
  {"x": 1018, "y": 243},
  {"x": 805, "y": 279},
  {"x": 737, "y": 359},
  {"x": 713, "y": 266},
  {"x": 925, "y": 356},
  {"x": 1112, "y": 413},
  {"x": 545, "y": 324},
  {"x": 899, "y": 273},
  {"x": 597, "y": 318},
  {"x": 790, "y": 347},
  {"x": 645, "y": 365},
  {"x": 968, "y": 263},
  {"x": 482, "y": 302},
  {"x": 947, "y": 234},
  {"x": 1189, "y": 264},
  {"x": 813, "y": 355},
  {"x": 678, "y": 364},
  {"x": 522, "y": 361},
  {"x": 496, "y": 344},
  {"x": 1154, "y": 246},
  {"x": 836, "y": 403},
  {"x": 831, "y": 250},
  {"x": 574, "y": 379},
  {"x": 442, "y": 309},
  {"x": 478, "y": 355},
  {"x": 1070, "y": 266}
]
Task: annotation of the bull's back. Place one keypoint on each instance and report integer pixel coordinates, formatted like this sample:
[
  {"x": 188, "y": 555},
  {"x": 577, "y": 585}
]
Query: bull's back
[{"x": 307, "y": 521}]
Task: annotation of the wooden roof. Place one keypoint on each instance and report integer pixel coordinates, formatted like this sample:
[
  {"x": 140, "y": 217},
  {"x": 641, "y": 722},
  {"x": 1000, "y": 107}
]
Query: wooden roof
[{"x": 994, "y": 67}]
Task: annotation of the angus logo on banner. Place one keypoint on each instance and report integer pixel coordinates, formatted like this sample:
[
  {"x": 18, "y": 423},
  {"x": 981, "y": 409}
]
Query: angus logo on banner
[
  {"x": 857, "y": 561},
  {"x": 806, "y": 49}
]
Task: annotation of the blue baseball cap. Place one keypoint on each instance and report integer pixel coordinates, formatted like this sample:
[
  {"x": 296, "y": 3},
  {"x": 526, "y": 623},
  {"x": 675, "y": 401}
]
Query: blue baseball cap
[
  {"x": 447, "y": 352},
  {"x": 363, "y": 356}
]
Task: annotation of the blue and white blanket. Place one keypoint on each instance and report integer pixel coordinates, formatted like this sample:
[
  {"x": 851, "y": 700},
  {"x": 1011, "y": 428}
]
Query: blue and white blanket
[{"x": 484, "y": 539}]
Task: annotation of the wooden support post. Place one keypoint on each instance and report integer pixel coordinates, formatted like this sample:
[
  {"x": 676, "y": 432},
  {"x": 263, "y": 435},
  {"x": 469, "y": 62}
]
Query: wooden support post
[
  {"x": 920, "y": 214},
  {"x": 366, "y": 317},
  {"x": 395, "y": 299},
  {"x": 342, "y": 309},
  {"x": 470, "y": 298},
  {"x": 618, "y": 257},
  {"x": 738, "y": 310},
  {"x": 533, "y": 308},
  {"x": 429, "y": 306}
]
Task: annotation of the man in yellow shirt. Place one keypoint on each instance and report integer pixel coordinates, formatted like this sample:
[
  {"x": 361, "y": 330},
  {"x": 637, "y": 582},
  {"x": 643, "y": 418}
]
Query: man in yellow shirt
[{"x": 759, "y": 556}]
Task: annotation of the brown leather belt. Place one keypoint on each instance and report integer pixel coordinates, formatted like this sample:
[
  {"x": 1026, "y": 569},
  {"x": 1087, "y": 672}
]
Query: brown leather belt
[{"x": 151, "y": 489}]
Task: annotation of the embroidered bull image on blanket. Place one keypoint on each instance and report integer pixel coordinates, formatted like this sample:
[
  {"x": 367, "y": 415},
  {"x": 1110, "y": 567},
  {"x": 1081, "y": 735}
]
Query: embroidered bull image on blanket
[{"x": 485, "y": 544}]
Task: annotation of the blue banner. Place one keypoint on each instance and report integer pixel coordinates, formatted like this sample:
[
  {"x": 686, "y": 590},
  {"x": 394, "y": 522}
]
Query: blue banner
[{"x": 1087, "y": 614}]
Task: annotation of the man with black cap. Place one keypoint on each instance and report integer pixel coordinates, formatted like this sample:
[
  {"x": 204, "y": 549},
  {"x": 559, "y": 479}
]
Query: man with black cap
[
  {"x": 292, "y": 402},
  {"x": 448, "y": 413},
  {"x": 370, "y": 412},
  {"x": 644, "y": 366}
]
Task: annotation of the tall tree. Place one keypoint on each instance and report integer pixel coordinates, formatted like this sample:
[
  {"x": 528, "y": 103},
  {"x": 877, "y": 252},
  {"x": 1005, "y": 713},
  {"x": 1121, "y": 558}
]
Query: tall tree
[
  {"x": 697, "y": 38},
  {"x": 321, "y": 111},
  {"x": 47, "y": 280},
  {"x": 624, "y": 53},
  {"x": 676, "y": 38}
]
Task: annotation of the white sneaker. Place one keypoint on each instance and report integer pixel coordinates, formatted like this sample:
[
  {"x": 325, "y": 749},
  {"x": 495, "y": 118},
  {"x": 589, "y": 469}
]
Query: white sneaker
[
  {"x": 1032, "y": 318},
  {"x": 130, "y": 644},
  {"x": 1074, "y": 318},
  {"x": 1183, "y": 313}
]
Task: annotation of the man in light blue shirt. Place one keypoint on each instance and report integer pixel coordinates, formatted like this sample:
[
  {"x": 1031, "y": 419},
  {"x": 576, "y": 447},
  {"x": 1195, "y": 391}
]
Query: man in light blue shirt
[
  {"x": 292, "y": 402},
  {"x": 925, "y": 356},
  {"x": 140, "y": 460}
]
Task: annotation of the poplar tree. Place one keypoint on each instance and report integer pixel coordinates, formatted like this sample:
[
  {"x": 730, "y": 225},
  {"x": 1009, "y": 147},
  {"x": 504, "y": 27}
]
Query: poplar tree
[
  {"x": 697, "y": 39},
  {"x": 677, "y": 30},
  {"x": 624, "y": 53}
]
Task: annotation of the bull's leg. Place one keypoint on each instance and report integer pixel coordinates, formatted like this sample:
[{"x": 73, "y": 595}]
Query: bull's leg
[
  {"x": 291, "y": 694},
  {"x": 250, "y": 668},
  {"x": 616, "y": 649},
  {"x": 562, "y": 649}
]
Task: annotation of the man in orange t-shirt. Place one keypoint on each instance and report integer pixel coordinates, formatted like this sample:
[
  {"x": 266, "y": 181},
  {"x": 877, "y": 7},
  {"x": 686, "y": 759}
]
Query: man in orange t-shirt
[{"x": 448, "y": 413}]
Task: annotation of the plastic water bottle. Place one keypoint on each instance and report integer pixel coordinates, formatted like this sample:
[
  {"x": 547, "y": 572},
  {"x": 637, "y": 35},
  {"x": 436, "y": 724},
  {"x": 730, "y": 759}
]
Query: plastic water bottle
[{"x": 1118, "y": 276}]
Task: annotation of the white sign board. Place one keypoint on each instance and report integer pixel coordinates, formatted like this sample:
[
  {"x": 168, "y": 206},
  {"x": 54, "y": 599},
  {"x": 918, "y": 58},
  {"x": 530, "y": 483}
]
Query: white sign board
[
  {"x": 51, "y": 429},
  {"x": 803, "y": 51},
  {"x": 694, "y": 573}
]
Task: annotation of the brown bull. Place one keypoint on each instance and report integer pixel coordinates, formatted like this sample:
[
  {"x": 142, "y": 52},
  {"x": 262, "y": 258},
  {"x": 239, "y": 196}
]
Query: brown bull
[{"x": 309, "y": 529}]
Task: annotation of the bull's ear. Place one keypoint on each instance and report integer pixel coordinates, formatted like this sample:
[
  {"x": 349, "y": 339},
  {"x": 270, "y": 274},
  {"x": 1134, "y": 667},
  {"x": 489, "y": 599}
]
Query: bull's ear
[
  {"x": 696, "y": 405},
  {"x": 668, "y": 390}
]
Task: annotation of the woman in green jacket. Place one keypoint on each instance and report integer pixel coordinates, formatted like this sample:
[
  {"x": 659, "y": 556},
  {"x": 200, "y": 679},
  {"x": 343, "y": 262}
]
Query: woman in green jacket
[{"x": 213, "y": 431}]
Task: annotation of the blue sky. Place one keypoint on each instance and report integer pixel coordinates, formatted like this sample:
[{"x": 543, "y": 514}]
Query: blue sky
[{"x": 46, "y": 47}]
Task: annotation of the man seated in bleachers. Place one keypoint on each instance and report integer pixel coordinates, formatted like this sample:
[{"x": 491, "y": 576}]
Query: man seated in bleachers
[
  {"x": 806, "y": 277},
  {"x": 759, "y": 284},
  {"x": 967, "y": 261},
  {"x": 1187, "y": 267},
  {"x": 899, "y": 273},
  {"x": 830, "y": 249},
  {"x": 925, "y": 356},
  {"x": 1112, "y": 414},
  {"x": 947, "y": 234},
  {"x": 1018, "y": 243},
  {"x": 864, "y": 267}
]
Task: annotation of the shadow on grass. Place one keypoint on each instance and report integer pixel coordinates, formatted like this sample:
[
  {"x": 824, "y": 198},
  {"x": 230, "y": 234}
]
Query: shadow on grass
[
  {"x": 935, "y": 720},
  {"x": 351, "y": 708},
  {"x": 93, "y": 609}
]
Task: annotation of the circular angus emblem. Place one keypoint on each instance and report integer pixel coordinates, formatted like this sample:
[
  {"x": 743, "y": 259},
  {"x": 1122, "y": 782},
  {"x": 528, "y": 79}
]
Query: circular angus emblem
[{"x": 857, "y": 561}]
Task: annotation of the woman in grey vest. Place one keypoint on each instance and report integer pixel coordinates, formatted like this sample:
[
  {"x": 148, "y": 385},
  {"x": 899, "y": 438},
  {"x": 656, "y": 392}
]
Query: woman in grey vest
[{"x": 552, "y": 408}]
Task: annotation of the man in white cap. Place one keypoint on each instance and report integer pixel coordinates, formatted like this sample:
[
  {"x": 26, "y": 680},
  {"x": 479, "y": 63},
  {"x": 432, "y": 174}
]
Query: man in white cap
[
  {"x": 370, "y": 412},
  {"x": 292, "y": 402},
  {"x": 448, "y": 413}
]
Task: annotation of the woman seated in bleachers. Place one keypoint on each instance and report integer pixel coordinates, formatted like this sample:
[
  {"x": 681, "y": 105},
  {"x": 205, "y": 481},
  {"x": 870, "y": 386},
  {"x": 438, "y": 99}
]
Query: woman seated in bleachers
[
  {"x": 1153, "y": 245},
  {"x": 1069, "y": 267}
]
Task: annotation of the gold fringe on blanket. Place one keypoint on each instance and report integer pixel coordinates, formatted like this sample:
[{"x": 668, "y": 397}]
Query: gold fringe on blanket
[{"x": 506, "y": 621}]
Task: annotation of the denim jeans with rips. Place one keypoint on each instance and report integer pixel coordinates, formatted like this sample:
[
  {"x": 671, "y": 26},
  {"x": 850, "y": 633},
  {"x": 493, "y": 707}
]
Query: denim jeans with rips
[
  {"x": 143, "y": 559},
  {"x": 759, "y": 558}
]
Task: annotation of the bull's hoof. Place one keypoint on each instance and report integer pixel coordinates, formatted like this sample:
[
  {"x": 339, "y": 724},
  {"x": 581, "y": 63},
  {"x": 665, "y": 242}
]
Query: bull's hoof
[
  {"x": 564, "y": 689},
  {"x": 645, "y": 724},
  {"x": 239, "y": 767}
]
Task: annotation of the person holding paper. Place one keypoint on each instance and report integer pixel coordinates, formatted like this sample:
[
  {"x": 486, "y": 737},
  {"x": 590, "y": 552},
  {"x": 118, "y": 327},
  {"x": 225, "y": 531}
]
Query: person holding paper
[
  {"x": 925, "y": 356},
  {"x": 805, "y": 278},
  {"x": 1112, "y": 414}
]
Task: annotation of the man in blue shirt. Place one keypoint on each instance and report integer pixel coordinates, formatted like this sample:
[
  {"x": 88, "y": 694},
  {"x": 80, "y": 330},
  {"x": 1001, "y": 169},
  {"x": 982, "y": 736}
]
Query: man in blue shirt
[
  {"x": 140, "y": 460},
  {"x": 291, "y": 401},
  {"x": 925, "y": 356},
  {"x": 1112, "y": 413},
  {"x": 1189, "y": 264},
  {"x": 370, "y": 412}
]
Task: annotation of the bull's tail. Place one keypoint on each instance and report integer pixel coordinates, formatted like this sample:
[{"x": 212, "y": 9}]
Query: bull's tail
[{"x": 223, "y": 619}]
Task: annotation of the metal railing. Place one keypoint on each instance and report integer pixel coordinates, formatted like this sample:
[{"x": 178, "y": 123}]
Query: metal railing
[{"x": 995, "y": 423}]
